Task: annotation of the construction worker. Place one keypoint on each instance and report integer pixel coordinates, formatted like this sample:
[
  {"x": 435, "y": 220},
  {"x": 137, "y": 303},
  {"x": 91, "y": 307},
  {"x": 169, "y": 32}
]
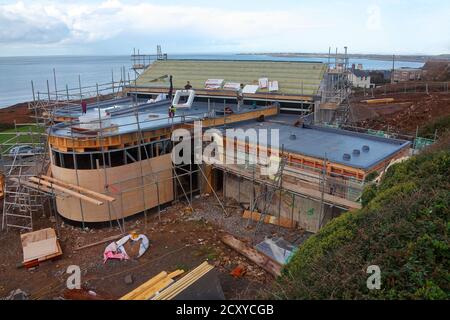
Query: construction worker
[
  {"x": 170, "y": 96},
  {"x": 188, "y": 86},
  {"x": 172, "y": 111},
  {"x": 83, "y": 106},
  {"x": 240, "y": 97}
]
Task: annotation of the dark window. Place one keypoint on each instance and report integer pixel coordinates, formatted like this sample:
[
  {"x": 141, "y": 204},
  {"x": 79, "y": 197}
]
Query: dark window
[
  {"x": 132, "y": 155},
  {"x": 99, "y": 159},
  {"x": 56, "y": 159},
  {"x": 144, "y": 153},
  {"x": 68, "y": 160},
  {"x": 83, "y": 161},
  {"x": 117, "y": 158},
  {"x": 149, "y": 149}
]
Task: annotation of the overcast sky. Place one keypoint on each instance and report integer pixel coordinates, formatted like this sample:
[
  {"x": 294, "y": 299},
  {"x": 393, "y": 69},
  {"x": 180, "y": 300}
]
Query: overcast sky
[{"x": 41, "y": 27}]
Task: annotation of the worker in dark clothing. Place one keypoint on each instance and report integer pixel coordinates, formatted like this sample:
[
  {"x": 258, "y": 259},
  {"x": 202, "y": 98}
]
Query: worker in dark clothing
[
  {"x": 170, "y": 89},
  {"x": 83, "y": 106},
  {"x": 188, "y": 86},
  {"x": 240, "y": 97},
  {"x": 172, "y": 111}
]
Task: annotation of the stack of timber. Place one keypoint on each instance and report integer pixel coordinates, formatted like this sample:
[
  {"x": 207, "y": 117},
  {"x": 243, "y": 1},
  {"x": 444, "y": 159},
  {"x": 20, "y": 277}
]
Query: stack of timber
[
  {"x": 268, "y": 219},
  {"x": 182, "y": 284},
  {"x": 150, "y": 288},
  {"x": 271, "y": 266},
  {"x": 378, "y": 101},
  {"x": 48, "y": 183}
]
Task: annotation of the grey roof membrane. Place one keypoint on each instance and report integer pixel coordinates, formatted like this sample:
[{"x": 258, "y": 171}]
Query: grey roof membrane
[
  {"x": 319, "y": 142},
  {"x": 313, "y": 141},
  {"x": 151, "y": 116}
]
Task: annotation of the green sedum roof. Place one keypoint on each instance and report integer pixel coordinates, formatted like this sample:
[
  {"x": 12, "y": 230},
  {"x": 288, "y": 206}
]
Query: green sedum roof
[{"x": 298, "y": 78}]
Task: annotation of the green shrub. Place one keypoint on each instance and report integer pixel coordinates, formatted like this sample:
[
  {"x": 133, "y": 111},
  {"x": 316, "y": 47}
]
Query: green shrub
[{"x": 403, "y": 228}]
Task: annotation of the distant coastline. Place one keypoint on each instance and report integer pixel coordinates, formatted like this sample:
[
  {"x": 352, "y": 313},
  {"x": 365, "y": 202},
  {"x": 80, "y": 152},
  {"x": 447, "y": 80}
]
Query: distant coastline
[{"x": 380, "y": 57}]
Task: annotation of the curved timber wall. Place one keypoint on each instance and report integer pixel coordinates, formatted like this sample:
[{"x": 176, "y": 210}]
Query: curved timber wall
[{"x": 125, "y": 183}]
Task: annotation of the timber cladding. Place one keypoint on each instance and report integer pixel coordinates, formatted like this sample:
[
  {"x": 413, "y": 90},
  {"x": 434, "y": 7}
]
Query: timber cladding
[{"x": 133, "y": 192}]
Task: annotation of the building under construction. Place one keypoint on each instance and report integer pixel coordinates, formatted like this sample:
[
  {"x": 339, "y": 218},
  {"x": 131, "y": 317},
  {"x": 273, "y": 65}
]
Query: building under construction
[{"x": 113, "y": 159}]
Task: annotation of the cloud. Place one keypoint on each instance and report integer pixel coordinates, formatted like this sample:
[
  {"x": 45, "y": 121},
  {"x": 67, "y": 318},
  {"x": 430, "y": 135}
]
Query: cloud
[
  {"x": 116, "y": 26},
  {"x": 18, "y": 26},
  {"x": 87, "y": 23}
]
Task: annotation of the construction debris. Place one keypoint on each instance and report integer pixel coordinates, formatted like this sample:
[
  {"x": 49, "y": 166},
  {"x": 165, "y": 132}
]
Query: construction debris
[
  {"x": 117, "y": 250},
  {"x": 128, "y": 279},
  {"x": 17, "y": 294},
  {"x": 274, "y": 268},
  {"x": 39, "y": 246},
  {"x": 278, "y": 221},
  {"x": 276, "y": 249},
  {"x": 238, "y": 272}
]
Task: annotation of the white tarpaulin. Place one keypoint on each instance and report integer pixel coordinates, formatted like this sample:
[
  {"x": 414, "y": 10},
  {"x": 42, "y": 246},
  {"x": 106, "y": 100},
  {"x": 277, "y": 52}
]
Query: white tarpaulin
[
  {"x": 250, "y": 88},
  {"x": 263, "y": 83},
  {"x": 273, "y": 85},
  {"x": 232, "y": 86},
  {"x": 214, "y": 83}
]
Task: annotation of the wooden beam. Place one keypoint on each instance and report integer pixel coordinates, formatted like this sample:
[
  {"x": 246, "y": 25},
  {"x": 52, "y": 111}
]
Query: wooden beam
[
  {"x": 149, "y": 288},
  {"x": 184, "y": 282},
  {"x": 117, "y": 236},
  {"x": 33, "y": 185},
  {"x": 160, "y": 276},
  {"x": 65, "y": 190},
  {"x": 256, "y": 216},
  {"x": 261, "y": 260},
  {"x": 150, "y": 292},
  {"x": 78, "y": 188}
]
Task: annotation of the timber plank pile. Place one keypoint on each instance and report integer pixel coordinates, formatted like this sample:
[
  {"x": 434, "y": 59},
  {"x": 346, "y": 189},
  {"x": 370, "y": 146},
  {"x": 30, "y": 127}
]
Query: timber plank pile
[
  {"x": 164, "y": 287},
  {"x": 48, "y": 184},
  {"x": 151, "y": 287},
  {"x": 182, "y": 284}
]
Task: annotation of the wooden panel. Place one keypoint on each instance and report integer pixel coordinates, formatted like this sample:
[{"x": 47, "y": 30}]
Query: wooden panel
[
  {"x": 39, "y": 249},
  {"x": 256, "y": 216},
  {"x": 123, "y": 183},
  {"x": 40, "y": 245}
]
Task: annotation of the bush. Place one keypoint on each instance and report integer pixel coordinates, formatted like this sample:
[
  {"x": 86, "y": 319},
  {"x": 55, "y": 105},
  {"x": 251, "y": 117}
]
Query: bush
[{"x": 403, "y": 228}]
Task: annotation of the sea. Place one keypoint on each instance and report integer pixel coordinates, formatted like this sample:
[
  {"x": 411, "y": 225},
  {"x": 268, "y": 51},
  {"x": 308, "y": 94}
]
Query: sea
[{"x": 17, "y": 73}]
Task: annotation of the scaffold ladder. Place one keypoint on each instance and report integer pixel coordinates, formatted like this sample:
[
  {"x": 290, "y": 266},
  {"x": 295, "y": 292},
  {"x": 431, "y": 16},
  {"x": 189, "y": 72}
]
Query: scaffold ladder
[{"x": 269, "y": 193}]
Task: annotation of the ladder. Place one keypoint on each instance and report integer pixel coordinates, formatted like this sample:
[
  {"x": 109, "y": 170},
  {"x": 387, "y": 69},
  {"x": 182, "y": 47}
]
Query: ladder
[
  {"x": 20, "y": 201},
  {"x": 268, "y": 194}
]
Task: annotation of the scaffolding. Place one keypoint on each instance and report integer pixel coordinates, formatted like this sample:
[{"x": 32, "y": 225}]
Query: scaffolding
[
  {"x": 140, "y": 62},
  {"x": 46, "y": 111},
  {"x": 24, "y": 150}
]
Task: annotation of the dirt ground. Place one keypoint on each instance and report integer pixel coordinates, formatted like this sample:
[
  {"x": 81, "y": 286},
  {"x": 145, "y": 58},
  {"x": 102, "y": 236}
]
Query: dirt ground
[
  {"x": 18, "y": 112},
  {"x": 404, "y": 115},
  {"x": 22, "y": 114},
  {"x": 181, "y": 239}
]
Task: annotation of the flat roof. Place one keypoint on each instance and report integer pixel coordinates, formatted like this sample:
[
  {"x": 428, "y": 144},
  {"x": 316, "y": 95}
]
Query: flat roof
[
  {"x": 320, "y": 142},
  {"x": 151, "y": 116},
  {"x": 312, "y": 141}
]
